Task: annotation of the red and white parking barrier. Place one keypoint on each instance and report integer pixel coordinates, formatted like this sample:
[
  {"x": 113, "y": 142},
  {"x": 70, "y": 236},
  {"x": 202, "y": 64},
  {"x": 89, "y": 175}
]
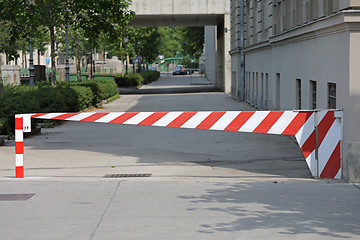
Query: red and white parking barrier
[{"x": 318, "y": 133}]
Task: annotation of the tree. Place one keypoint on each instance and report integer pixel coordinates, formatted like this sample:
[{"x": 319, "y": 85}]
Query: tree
[
  {"x": 78, "y": 47},
  {"x": 97, "y": 18},
  {"x": 193, "y": 43},
  {"x": 170, "y": 41},
  {"x": 93, "y": 17}
]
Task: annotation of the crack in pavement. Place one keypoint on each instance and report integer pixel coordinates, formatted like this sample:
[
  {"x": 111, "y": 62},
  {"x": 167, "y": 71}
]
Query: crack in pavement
[{"x": 92, "y": 235}]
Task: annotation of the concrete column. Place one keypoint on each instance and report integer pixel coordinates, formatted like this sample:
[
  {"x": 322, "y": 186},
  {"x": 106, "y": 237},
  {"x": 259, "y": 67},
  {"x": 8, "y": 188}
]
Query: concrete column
[
  {"x": 351, "y": 94},
  {"x": 210, "y": 53},
  {"x": 223, "y": 63}
]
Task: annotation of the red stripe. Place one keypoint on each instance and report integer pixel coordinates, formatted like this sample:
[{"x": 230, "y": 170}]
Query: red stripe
[
  {"x": 333, "y": 165},
  {"x": 297, "y": 123},
  {"x": 19, "y": 172},
  {"x": 325, "y": 125},
  {"x": 268, "y": 122},
  {"x": 239, "y": 121},
  {"x": 180, "y": 120},
  {"x": 65, "y": 116},
  {"x": 94, "y": 117},
  {"x": 18, "y": 124},
  {"x": 210, "y": 120},
  {"x": 38, "y": 115},
  {"x": 19, "y": 147},
  {"x": 309, "y": 146},
  {"x": 124, "y": 117},
  {"x": 153, "y": 118}
]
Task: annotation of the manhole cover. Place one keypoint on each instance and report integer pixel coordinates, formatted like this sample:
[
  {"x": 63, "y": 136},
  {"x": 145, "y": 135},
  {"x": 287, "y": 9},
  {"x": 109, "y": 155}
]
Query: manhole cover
[
  {"x": 127, "y": 175},
  {"x": 16, "y": 197}
]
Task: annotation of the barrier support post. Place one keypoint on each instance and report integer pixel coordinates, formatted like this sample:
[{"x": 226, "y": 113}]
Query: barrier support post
[
  {"x": 19, "y": 147},
  {"x": 22, "y": 124}
]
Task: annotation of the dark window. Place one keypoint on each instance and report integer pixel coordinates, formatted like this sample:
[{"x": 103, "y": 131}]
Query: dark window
[
  {"x": 332, "y": 95},
  {"x": 313, "y": 94},
  {"x": 298, "y": 93}
]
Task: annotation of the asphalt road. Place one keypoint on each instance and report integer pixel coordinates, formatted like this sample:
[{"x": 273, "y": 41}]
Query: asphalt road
[{"x": 203, "y": 184}]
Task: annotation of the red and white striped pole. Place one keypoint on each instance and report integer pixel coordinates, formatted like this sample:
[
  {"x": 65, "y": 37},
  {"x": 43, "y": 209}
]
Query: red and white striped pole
[{"x": 19, "y": 148}]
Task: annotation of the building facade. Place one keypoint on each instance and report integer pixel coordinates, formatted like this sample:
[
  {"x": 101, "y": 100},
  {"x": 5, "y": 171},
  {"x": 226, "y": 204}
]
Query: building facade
[{"x": 301, "y": 54}]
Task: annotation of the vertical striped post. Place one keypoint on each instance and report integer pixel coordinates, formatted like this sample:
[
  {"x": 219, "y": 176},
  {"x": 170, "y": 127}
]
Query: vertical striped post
[{"x": 19, "y": 148}]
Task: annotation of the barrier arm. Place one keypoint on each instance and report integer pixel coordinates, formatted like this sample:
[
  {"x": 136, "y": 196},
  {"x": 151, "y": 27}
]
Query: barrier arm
[{"x": 318, "y": 132}]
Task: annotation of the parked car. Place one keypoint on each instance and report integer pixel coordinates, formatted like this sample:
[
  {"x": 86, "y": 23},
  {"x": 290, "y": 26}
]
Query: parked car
[{"x": 180, "y": 70}]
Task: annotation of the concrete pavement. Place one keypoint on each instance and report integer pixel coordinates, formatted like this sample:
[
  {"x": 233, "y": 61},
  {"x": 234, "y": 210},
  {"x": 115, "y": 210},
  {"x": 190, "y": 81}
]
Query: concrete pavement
[{"x": 204, "y": 184}]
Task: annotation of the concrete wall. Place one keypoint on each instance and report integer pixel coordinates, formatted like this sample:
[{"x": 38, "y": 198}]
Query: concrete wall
[
  {"x": 210, "y": 53},
  {"x": 171, "y": 7}
]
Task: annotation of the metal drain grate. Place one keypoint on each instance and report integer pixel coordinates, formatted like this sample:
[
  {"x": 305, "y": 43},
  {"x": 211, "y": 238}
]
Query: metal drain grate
[
  {"x": 16, "y": 197},
  {"x": 127, "y": 175}
]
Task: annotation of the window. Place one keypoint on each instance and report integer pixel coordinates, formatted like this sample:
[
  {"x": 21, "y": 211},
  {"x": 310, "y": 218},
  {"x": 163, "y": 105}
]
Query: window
[
  {"x": 266, "y": 90},
  {"x": 262, "y": 104},
  {"x": 277, "y": 91},
  {"x": 313, "y": 94},
  {"x": 298, "y": 93},
  {"x": 332, "y": 95}
]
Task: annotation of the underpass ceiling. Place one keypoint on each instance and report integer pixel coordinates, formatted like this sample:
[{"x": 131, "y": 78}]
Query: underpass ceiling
[{"x": 176, "y": 20}]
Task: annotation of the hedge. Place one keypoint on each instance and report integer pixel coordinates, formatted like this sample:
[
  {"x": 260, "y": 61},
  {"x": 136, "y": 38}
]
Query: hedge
[
  {"x": 136, "y": 79},
  {"x": 150, "y": 76},
  {"x": 43, "y": 98}
]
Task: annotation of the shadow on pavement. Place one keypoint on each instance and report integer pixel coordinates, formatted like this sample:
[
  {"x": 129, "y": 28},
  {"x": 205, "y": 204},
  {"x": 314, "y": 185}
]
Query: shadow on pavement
[{"x": 282, "y": 208}]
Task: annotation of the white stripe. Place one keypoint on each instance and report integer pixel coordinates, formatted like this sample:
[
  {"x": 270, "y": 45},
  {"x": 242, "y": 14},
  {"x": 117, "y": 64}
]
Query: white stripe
[
  {"x": 283, "y": 122},
  {"x": 311, "y": 162},
  {"x": 19, "y": 136},
  {"x": 109, "y": 117},
  {"x": 338, "y": 175},
  {"x": 329, "y": 144},
  {"x": 254, "y": 121},
  {"x": 19, "y": 160},
  {"x": 225, "y": 120},
  {"x": 167, "y": 119},
  {"x": 79, "y": 116},
  {"x": 195, "y": 120},
  {"x": 50, "y": 115},
  {"x": 306, "y": 130},
  {"x": 138, "y": 118}
]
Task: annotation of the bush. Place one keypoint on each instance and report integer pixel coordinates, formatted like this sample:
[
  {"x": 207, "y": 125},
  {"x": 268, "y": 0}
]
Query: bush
[
  {"x": 150, "y": 76},
  {"x": 85, "y": 97},
  {"x": 132, "y": 79},
  {"x": 43, "y": 98}
]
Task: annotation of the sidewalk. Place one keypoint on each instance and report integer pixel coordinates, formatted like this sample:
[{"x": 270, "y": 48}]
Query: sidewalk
[
  {"x": 167, "y": 83},
  {"x": 204, "y": 184}
]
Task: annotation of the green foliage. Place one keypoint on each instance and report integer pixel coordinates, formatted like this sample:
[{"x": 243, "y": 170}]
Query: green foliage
[
  {"x": 181, "y": 41},
  {"x": 170, "y": 41},
  {"x": 193, "y": 41},
  {"x": 136, "y": 79},
  {"x": 44, "y": 98},
  {"x": 101, "y": 90},
  {"x": 132, "y": 79},
  {"x": 150, "y": 76}
]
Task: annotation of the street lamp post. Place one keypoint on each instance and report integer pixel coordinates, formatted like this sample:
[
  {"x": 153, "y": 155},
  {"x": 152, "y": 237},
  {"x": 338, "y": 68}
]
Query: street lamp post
[
  {"x": 133, "y": 58},
  {"x": 31, "y": 58},
  {"x": 31, "y": 61},
  {"x": 139, "y": 56},
  {"x": 126, "y": 62},
  {"x": 67, "y": 57}
]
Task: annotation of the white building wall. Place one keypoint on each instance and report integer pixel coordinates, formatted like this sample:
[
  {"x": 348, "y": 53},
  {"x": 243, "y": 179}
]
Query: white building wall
[{"x": 310, "y": 41}]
